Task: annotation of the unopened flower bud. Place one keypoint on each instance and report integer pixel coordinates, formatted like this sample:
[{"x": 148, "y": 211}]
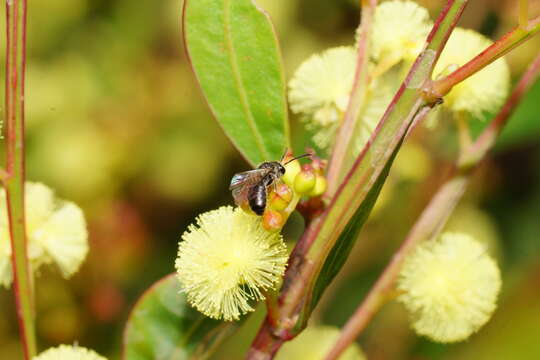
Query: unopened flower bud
[
  {"x": 273, "y": 220},
  {"x": 284, "y": 192},
  {"x": 318, "y": 164},
  {"x": 280, "y": 198},
  {"x": 305, "y": 181},
  {"x": 277, "y": 203},
  {"x": 291, "y": 170},
  {"x": 320, "y": 186}
]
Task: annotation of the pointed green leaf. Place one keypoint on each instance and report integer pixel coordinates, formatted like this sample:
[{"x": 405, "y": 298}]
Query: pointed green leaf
[
  {"x": 340, "y": 252},
  {"x": 235, "y": 55},
  {"x": 163, "y": 326}
]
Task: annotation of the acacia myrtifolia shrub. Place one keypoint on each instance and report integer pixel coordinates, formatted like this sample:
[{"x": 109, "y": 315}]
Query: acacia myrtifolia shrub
[{"x": 359, "y": 103}]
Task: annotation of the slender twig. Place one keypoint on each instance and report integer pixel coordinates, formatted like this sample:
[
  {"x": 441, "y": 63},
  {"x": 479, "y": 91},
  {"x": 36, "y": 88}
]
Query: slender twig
[
  {"x": 14, "y": 182},
  {"x": 488, "y": 137},
  {"x": 441, "y": 87},
  {"x": 523, "y": 13},
  {"x": 434, "y": 215},
  {"x": 356, "y": 100}
]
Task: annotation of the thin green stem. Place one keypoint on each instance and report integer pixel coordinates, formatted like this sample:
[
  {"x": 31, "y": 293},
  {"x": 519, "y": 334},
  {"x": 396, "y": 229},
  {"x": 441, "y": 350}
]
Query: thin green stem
[
  {"x": 14, "y": 182},
  {"x": 434, "y": 216},
  {"x": 441, "y": 87},
  {"x": 476, "y": 151},
  {"x": 431, "y": 220},
  {"x": 338, "y": 159}
]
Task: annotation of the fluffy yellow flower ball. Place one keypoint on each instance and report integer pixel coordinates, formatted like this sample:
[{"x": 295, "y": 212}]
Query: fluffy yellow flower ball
[
  {"x": 314, "y": 343},
  {"x": 450, "y": 287},
  {"x": 56, "y": 232},
  {"x": 227, "y": 260},
  {"x": 400, "y": 29},
  {"x": 320, "y": 90},
  {"x": 486, "y": 90},
  {"x": 68, "y": 352}
]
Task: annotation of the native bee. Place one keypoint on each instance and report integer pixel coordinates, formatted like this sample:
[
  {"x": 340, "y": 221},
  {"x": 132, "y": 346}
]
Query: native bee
[{"x": 250, "y": 188}]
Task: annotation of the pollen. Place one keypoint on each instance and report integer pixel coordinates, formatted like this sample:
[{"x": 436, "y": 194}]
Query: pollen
[
  {"x": 483, "y": 92},
  {"x": 68, "y": 352},
  {"x": 227, "y": 260},
  {"x": 450, "y": 287},
  {"x": 56, "y": 232}
]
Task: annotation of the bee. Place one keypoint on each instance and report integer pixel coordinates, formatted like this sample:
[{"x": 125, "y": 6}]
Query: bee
[{"x": 251, "y": 187}]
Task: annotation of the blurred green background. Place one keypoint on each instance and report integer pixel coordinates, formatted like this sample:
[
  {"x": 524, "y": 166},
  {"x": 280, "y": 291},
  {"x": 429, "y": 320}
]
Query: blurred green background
[{"x": 117, "y": 124}]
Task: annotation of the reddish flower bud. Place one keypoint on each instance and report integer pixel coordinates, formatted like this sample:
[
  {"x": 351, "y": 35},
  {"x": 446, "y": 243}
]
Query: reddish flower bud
[{"x": 273, "y": 220}]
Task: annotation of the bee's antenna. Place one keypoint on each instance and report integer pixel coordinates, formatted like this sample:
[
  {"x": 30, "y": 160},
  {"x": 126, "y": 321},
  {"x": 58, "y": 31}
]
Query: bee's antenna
[{"x": 298, "y": 157}]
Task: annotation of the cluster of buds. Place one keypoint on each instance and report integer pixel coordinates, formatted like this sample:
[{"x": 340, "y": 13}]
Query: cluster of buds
[{"x": 298, "y": 181}]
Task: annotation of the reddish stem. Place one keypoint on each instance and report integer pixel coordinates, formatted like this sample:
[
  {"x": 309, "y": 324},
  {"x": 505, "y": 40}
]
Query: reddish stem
[
  {"x": 434, "y": 216},
  {"x": 14, "y": 181},
  {"x": 441, "y": 87},
  {"x": 265, "y": 345},
  {"x": 356, "y": 100}
]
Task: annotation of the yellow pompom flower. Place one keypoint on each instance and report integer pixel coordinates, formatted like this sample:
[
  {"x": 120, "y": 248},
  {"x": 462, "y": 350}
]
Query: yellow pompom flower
[
  {"x": 68, "y": 352},
  {"x": 450, "y": 287},
  {"x": 314, "y": 343},
  {"x": 320, "y": 90},
  {"x": 55, "y": 229},
  {"x": 227, "y": 260},
  {"x": 486, "y": 90},
  {"x": 400, "y": 29}
]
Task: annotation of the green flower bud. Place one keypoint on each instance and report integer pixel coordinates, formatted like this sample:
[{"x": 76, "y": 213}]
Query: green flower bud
[
  {"x": 320, "y": 186},
  {"x": 277, "y": 203},
  {"x": 291, "y": 170},
  {"x": 305, "y": 181}
]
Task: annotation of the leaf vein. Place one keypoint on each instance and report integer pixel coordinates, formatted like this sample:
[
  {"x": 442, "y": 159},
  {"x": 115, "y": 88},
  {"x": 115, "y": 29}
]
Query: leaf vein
[{"x": 237, "y": 78}]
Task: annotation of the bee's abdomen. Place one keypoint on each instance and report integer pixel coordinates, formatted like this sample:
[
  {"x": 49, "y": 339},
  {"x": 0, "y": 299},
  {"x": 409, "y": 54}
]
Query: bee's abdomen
[{"x": 257, "y": 199}]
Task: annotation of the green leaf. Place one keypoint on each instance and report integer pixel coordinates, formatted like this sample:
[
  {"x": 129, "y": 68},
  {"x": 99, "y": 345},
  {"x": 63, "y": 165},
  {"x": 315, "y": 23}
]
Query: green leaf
[
  {"x": 163, "y": 326},
  {"x": 235, "y": 54},
  {"x": 340, "y": 252}
]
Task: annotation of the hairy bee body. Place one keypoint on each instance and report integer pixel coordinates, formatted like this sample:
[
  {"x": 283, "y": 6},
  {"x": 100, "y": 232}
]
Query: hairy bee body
[{"x": 251, "y": 187}]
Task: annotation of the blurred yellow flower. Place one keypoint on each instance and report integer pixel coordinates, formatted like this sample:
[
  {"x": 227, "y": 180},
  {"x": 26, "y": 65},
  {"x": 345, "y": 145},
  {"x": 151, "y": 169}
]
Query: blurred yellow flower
[
  {"x": 450, "y": 287},
  {"x": 314, "y": 343},
  {"x": 56, "y": 232},
  {"x": 320, "y": 90},
  {"x": 486, "y": 90},
  {"x": 400, "y": 29},
  {"x": 69, "y": 352},
  {"x": 227, "y": 260}
]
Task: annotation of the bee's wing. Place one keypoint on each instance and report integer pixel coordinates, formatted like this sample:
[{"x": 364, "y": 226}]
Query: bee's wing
[
  {"x": 242, "y": 182},
  {"x": 250, "y": 177}
]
